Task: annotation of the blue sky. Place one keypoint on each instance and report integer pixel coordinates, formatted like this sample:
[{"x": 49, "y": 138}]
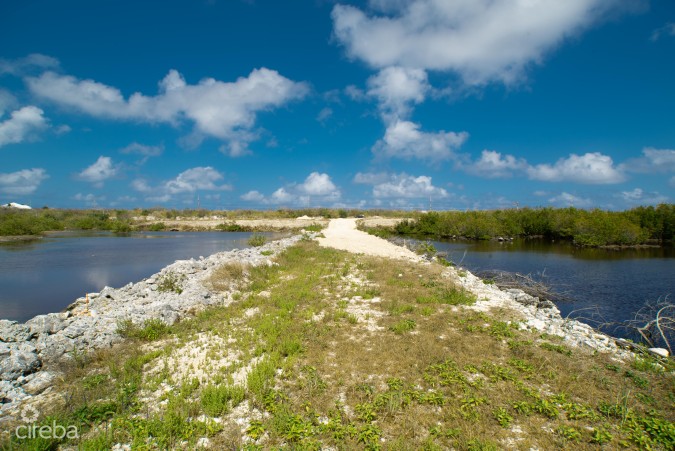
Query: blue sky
[{"x": 461, "y": 104}]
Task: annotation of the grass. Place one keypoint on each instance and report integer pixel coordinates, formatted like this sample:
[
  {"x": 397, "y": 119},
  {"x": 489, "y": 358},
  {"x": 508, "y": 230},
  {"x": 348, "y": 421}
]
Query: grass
[
  {"x": 331, "y": 350},
  {"x": 257, "y": 240}
]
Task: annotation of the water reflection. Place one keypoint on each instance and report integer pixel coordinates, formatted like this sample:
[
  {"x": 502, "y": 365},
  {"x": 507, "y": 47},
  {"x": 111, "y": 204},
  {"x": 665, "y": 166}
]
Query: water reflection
[
  {"x": 617, "y": 282},
  {"x": 46, "y": 275}
]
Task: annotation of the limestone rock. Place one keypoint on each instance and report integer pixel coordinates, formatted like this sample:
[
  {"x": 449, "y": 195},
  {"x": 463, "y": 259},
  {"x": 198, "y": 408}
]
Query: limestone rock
[
  {"x": 38, "y": 382},
  {"x": 659, "y": 351}
]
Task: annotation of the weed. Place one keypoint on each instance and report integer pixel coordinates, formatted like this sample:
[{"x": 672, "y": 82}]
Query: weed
[
  {"x": 556, "y": 348},
  {"x": 257, "y": 240},
  {"x": 266, "y": 253},
  {"x": 569, "y": 433},
  {"x": 217, "y": 400},
  {"x": 403, "y": 326},
  {"x": 502, "y": 417},
  {"x": 171, "y": 282},
  {"x": 601, "y": 436}
]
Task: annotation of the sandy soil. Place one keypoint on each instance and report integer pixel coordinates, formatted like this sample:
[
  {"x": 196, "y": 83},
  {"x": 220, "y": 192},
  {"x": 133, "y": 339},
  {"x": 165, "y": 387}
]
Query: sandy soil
[
  {"x": 342, "y": 234},
  {"x": 260, "y": 224}
]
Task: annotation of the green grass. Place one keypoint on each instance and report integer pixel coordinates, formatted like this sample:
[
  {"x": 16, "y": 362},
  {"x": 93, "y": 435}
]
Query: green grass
[{"x": 415, "y": 368}]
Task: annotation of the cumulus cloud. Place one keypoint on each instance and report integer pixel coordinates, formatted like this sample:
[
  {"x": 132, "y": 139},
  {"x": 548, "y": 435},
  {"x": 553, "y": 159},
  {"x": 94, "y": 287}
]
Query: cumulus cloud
[
  {"x": 197, "y": 179},
  {"x": 570, "y": 200},
  {"x": 187, "y": 182},
  {"x": 33, "y": 61},
  {"x": 253, "y": 196},
  {"x": 397, "y": 89},
  {"x": 667, "y": 30},
  {"x": 495, "y": 165},
  {"x": 102, "y": 170},
  {"x": 652, "y": 160},
  {"x": 400, "y": 186},
  {"x": 317, "y": 184},
  {"x": 22, "y": 125},
  {"x": 22, "y": 182},
  {"x": 223, "y": 110},
  {"x": 317, "y": 188},
  {"x": 7, "y": 101},
  {"x": 403, "y": 139},
  {"x": 590, "y": 168},
  {"x": 480, "y": 40}
]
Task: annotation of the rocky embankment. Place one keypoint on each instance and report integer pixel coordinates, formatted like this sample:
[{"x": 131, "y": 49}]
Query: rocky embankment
[{"x": 31, "y": 352}]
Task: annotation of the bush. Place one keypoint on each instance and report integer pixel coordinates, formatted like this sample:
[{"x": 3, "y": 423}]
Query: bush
[{"x": 257, "y": 240}]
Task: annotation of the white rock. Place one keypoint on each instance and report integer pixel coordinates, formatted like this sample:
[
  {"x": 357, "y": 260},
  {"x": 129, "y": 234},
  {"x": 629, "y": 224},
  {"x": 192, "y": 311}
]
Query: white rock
[{"x": 659, "y": 351}]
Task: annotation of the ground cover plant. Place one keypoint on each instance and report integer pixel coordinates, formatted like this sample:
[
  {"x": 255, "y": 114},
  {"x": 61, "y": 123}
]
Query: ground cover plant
[{"x": 326, "y": 349}]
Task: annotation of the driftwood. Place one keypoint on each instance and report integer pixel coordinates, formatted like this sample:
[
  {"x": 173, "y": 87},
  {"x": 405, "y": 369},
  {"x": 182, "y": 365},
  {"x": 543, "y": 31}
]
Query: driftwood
[
  {"x": 654, "y": 323},
  {"x": 533, "y": 285}
]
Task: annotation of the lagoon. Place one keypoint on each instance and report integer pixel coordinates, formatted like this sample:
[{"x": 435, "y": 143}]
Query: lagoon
[
  {"x": 616, "y": 282},
  {"x": 47, "y": 275}
]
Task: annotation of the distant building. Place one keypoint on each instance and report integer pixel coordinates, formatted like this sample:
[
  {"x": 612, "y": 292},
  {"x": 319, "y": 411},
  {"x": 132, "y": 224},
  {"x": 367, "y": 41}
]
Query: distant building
[{"x": 15, "y": 205}]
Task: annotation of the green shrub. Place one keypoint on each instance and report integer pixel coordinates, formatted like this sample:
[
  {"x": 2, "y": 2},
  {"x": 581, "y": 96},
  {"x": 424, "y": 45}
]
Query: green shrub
[{"x": 257, "y": 240}]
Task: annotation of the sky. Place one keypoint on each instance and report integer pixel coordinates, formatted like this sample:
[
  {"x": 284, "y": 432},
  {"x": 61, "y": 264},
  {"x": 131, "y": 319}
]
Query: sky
[{"x": 405, "y": 104}]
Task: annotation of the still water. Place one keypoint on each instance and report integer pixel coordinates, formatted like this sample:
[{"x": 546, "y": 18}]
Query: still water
[
  {"x": 45, "y": 276},
  {"x": 617, "y": 282}
]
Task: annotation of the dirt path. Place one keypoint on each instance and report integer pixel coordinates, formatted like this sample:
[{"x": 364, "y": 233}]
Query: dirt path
[{"x": 342, "y": 234}]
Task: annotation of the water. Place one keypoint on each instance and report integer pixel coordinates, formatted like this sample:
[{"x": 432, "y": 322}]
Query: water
[
  {"x": 617, "y": 282},
  {"x": 46, "y": 275}
]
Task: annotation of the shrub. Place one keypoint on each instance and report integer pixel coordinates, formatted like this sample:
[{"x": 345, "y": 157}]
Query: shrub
[{"x": 257, "y": 240}]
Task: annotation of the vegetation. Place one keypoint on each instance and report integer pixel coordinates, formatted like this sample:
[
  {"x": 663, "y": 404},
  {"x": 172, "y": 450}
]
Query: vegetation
[
  {"x": 327, "y": 349},
  {"x": 640, "y": 225}
]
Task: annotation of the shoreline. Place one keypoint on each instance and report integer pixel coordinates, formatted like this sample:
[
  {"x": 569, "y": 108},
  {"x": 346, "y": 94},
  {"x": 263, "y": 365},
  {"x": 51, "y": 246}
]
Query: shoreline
[{"x": 32, "y": 351}]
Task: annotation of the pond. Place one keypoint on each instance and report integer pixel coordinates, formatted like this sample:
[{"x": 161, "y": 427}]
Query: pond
[
  {"x": 47, "y": 275},
  {"x": 616, "y": 282}
]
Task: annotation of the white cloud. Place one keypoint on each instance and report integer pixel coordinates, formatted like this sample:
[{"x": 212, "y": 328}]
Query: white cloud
[
  {"x": 21, "y": 65},
  {"x": 22, "y": 125},
  {"x": 237, "y": 147},
  {"x": 591, "y": 168},
  {"x": 253, "y": 196},
  {"x": 371, "y": 178},
  {"x": 324, "y": 114},
  {"x": 102, "y": 170},
  {"x": 89, "y": 199},
  {"x": 653, "y": 160},
  {"x": 318, "y": 185},
  {"x": 495, "y": 165},
  {"x": 7, "y": 101},
  {"x": 317, "y": 189},
  {"x": 281, "y": 196},
  {"x": 22, "y": 182},
  {"x": 403, "y": 139},
  {"x": 570, "y": 200},
  {"x": 667, "y": 30},
  {"x": 187, "y": 182},
  {"x": 224, "y": 110},
  {"x": 396, "y": 88},
  {"x": 355, "y": 93},
  {"x": 400, "y": 186},
  {"x": 197, "y": 179},
  {"x": 638, "y": 196},
  {"x": 142, "y": 149},
  {"x": 481, "y": 40}
]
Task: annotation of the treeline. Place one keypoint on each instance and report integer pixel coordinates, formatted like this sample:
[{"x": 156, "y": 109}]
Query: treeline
[
  {"x": 34, "y": 222},
  {"x": 639, "y": 225}
]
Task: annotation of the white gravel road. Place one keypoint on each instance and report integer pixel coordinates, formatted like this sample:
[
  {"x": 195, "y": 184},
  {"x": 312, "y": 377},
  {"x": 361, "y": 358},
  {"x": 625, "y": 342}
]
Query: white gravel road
[{"x": 342, "y": 234}]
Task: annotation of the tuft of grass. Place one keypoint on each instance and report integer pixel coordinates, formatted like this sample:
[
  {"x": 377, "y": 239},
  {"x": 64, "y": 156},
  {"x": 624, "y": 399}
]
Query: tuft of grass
[
  {"x": 151, "y": 330},
  {"x": 257, "y": 240},
  {"x": 171, "y": 282},
  {"x": 217, "y": 400}
]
